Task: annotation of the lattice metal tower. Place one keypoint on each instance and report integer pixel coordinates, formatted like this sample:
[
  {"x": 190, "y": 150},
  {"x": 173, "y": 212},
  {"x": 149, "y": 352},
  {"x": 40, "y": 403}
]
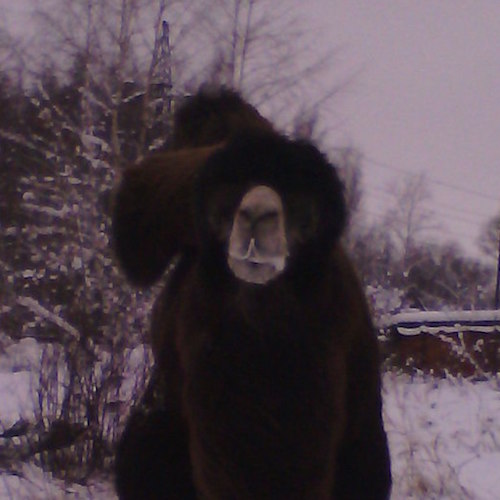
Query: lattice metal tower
[{"x": 162, "y": 79}]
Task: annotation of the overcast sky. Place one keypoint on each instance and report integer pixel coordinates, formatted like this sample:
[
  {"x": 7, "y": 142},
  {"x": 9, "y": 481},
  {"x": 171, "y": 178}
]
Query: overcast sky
[{"x": 425, "y": 98}]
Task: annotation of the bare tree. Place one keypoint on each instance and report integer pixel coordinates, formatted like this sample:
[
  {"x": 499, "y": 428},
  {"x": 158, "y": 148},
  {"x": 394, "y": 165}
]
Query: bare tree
[
  {"x": 350, "y": 160},
  {"x": 119, "y": 43},
  {"x": 489, "y": 238},
  {"x": 84, "y": 114},
  {"x": 13, "y": 56},
  {"x": 261, "y": 48},
  {"x": 410, "y": 217},
  {"x": 489, "y": 243}
]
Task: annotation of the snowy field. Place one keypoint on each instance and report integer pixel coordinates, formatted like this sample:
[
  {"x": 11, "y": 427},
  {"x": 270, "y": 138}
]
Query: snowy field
[{"x": 444, "y": 436}]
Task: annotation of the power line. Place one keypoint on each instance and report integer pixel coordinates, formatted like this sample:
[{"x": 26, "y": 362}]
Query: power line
[
  {"x": 377, "y": 163},
  {"x": 381, "y": 218},
  {"x": 438, "y": 212},
  {"x": 442, "y": 212},
  {"x": 454, "y": 234},
  {"x": 433, "y": 202}
]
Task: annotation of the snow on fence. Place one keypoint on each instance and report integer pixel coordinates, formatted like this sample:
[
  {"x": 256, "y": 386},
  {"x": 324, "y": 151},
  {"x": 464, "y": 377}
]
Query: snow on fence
[{"x": 444, "y": 342}]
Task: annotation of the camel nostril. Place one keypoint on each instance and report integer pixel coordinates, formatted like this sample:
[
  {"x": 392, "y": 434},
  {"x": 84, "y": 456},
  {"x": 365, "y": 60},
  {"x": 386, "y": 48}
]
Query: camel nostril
[{"x": 252, "y": 249}]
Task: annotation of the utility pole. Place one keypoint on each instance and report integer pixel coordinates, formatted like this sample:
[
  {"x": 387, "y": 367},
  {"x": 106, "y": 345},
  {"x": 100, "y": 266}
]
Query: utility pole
[{"x": 497, "y": 291}]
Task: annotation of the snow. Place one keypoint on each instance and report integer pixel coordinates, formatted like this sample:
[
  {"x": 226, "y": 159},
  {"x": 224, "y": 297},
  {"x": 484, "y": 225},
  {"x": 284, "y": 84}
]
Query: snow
[
  {"x": 444, "y": 435},
  {"x": 32, "y": 483},
  {"x": 21, "y": 356},
  {"x": 474, "y": 472},
  {"x": 53, "y": 212},
  {"x": 15, "y": 394},
  {"x": 39, "y": 310},
  {"x": 445, "y": 316},
  {"x": 415, "y": 323},
  {"x": 19, "y": 365}
]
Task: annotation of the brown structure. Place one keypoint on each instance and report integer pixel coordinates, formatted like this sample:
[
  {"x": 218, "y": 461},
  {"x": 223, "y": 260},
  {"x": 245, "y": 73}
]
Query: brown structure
[{"x": 438, "y": 343}]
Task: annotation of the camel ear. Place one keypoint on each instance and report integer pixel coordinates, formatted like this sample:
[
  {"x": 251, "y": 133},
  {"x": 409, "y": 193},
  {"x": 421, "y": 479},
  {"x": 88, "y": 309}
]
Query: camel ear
[{"x": 153, "y": 212}]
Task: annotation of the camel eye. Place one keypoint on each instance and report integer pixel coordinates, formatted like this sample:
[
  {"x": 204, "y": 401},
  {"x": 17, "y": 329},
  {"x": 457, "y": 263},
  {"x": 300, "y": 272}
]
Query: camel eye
[
  {"x": 245, "y": 218},
  {"x": 303, "y": 218},
  {"x": 221, "y": 208}
]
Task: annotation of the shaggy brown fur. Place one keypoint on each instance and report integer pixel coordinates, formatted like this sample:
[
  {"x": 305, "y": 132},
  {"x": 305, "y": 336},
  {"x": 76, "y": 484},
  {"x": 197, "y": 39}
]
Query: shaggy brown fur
[
  {"x": 153, "y": 219},
  {"x": 211, "y": 116},
  {"x": 262, "y": 391},
  {"x": 153, "y": 208}
]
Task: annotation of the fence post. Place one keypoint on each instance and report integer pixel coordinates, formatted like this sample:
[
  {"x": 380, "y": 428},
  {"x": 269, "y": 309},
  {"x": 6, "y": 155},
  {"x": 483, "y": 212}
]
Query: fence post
[{"x": 497, "y": 291}]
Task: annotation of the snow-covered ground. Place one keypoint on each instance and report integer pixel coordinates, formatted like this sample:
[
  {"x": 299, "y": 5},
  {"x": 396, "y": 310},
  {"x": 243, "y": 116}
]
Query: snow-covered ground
[
  {"x": 444, "y": 436},
  {"x": 34, "y": 484}
]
